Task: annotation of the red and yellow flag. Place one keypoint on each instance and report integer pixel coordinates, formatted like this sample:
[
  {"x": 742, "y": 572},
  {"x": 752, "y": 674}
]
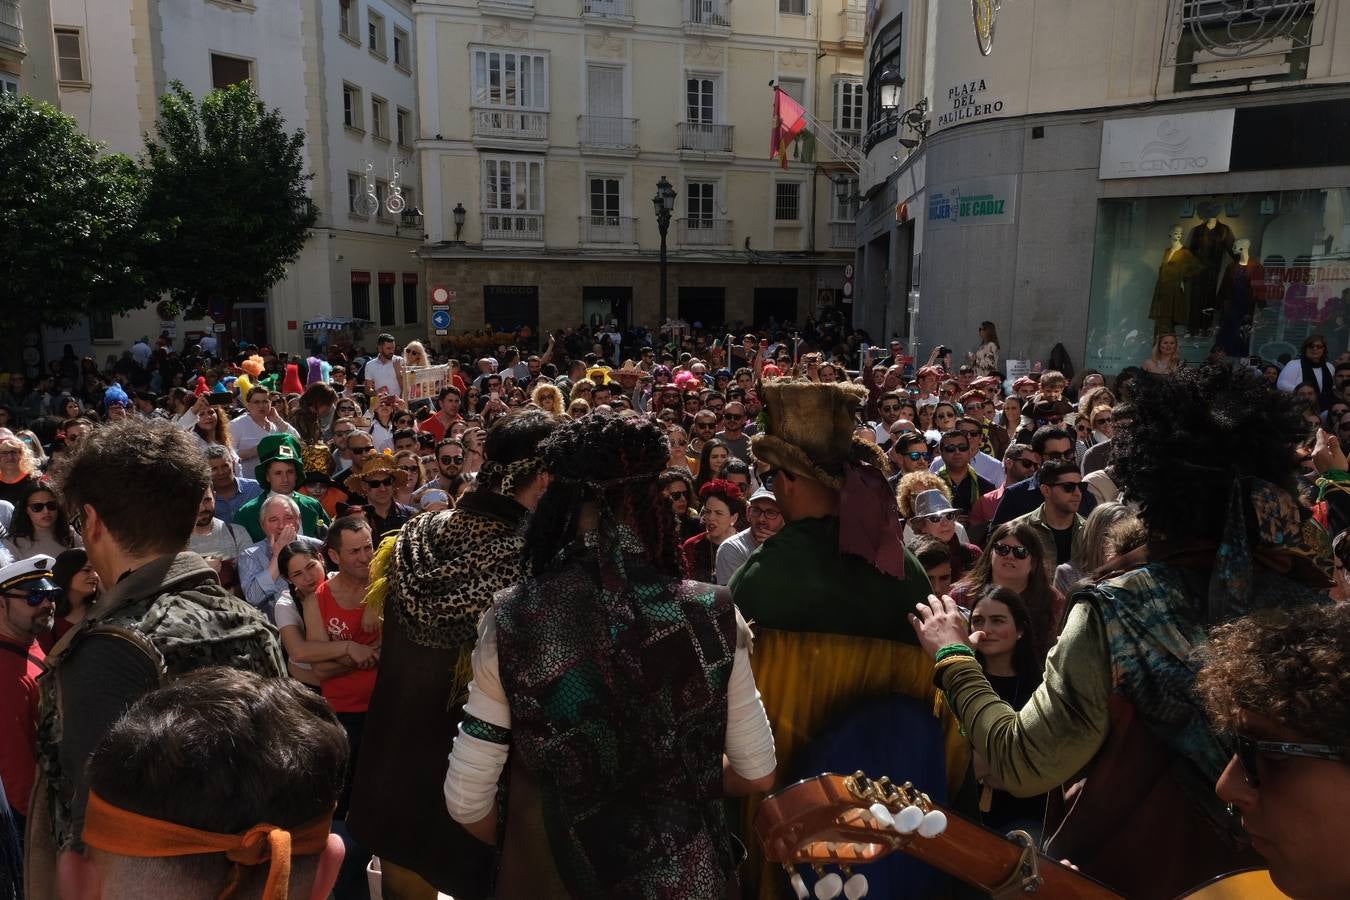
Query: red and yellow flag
[{"x": 789, "y": 120}]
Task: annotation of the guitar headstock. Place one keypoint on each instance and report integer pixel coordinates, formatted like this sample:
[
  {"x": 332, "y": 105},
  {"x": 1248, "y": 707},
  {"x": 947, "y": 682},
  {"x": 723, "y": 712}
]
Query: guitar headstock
[{"x": 843, "y": 820}]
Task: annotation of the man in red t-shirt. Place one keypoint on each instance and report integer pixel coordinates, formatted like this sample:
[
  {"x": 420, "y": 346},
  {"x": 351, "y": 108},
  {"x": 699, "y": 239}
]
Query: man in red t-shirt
[
  {"x": 447, "y": 414},
  {"x": 29, "y": 609}
]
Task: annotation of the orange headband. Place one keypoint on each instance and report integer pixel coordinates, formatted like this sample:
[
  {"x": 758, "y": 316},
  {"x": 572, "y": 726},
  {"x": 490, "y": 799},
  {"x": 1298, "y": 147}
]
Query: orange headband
[{"x": 115, "y": 830}]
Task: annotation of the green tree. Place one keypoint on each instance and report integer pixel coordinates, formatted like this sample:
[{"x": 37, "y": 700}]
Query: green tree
[
  {"x": 226, "y": 195},
  {"x": 70, "y": 232}
]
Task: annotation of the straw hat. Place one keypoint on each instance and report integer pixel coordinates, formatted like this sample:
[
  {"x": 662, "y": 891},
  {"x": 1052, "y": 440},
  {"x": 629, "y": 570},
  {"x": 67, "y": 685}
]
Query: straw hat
[
  {"x": 809, "y": 428},
  {"x": 380, "y": 464}
]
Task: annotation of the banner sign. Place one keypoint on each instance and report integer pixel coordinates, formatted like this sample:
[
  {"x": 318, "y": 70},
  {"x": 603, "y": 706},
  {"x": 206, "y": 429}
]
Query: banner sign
[
  {"x": 976, "y": 201},
  {"x": 424, "y": 382}
]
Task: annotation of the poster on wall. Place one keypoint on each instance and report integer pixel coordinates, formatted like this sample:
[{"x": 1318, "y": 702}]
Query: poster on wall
[
  {"x": 424, "y": 382},
  {"x": 974, "y": 201}
]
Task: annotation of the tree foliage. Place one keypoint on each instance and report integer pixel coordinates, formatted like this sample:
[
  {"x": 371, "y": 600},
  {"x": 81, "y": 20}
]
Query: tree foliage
[
  {"x": 70, "y": 233},
  {"x": 226, "y": 196}
]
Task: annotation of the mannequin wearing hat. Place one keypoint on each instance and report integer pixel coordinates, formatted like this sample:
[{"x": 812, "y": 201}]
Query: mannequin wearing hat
[
  {"x": 281, "y": 469},
  {"x": 834, "y": 585}
]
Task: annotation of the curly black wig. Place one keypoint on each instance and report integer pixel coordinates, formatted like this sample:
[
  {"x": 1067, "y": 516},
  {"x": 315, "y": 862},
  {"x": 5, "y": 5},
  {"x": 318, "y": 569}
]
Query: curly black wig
[
  {"x": 606, "y": 460},
  {"x": 1192, "y": 432}
]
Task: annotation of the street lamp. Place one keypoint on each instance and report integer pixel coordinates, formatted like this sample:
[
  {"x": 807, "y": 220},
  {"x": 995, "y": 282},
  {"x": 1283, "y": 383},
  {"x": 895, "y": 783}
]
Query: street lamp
[
  {"x": 458, "y": 212},
  {"x": 663, "y": 203},
  {"x": 889, "y": 84}
]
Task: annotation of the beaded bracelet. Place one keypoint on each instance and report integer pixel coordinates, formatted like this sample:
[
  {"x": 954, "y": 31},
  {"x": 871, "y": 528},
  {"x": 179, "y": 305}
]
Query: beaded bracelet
[{"x": 953, "y": 650}]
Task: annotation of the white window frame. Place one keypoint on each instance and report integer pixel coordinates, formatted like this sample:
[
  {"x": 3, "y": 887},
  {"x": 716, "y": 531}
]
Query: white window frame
[
  {"x": 402, "y": 60},
  {"x": 715, "y": 204},
  {"x": 59, "y": 31},
  {"x": 351, "y": 12},
  {"x": 842, "y": 87},
  {"x": 356, "y": 189},
  {"x": 779, "y": 201},
  {"x": 492, "y": 163},
  {"x": 375, "y": 30},
  {"x": 620, "y": 197},
  {"x": 481, "y": 61},
  {"x": 717, "y": 94},
  {"x": 379, "y": 117},
  {"x": 804, "y": 4},
  {"x": 9, "y": 84},
  {"x": 354, "y": 108},
  {"x": 403, "y": 127}
]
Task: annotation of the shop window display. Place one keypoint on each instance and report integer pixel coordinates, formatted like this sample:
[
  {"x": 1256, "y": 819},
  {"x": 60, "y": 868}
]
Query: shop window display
[{"x": 1253, "y": 274}]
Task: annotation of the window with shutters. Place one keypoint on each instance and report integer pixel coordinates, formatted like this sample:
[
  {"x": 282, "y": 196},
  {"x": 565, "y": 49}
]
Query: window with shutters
[
  {"x": 701, "y": 99},
  {"x": 787, "y": 201},
  {"x": 513, "y": 79},
  {"x": 885, "y": 55},
  {"x": 844, "y": 200},
  {"x": 70, "y": 67}
]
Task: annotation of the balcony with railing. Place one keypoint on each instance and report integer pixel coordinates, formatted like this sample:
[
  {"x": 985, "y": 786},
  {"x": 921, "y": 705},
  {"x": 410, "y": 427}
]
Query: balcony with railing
[
  {"x": 517, "y": 227},
  {"x": 707, "y": 17},
  {"x": 611, "y": 230},
  {"x": 511, "y": 9},
  {"x": 705, "y": 232},
  {"x": 608, "y": 12},
  {"x": 697, "y": 137},
  {"x": 11, "y": 25},
  {"x": 854, "y": 14},
  {"x": 842, "y": 235},
  {"x": 608, "y": 135},
  {"x": 498, "y": 126}
]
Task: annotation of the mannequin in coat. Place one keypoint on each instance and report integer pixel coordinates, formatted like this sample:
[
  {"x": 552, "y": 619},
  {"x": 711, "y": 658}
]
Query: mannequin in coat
[{"x": 1170, "y": 306}]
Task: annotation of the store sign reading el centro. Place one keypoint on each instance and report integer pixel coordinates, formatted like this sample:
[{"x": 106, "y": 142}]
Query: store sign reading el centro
[{"x": 975, "y": 201}]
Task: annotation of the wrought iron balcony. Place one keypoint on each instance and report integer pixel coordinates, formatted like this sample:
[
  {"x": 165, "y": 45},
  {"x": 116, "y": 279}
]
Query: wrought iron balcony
[
  {"x": 608, "y": 12},
  {"x": 510, "y": 124},
  {"x": 513, "y": 226},
  {"x": 608, "y": 229},
  {"x": 707, "y": 17},
  {"x": 608, "y": 134},
  {"x": 705, "y": 232},
  {"x": 842, "y": 235},
  {"x": 704, "y": 138}
]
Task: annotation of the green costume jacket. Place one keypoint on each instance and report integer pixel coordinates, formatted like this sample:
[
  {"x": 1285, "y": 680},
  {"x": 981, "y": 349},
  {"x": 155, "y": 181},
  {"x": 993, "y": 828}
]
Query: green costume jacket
[{"x": 312, "y": 515}]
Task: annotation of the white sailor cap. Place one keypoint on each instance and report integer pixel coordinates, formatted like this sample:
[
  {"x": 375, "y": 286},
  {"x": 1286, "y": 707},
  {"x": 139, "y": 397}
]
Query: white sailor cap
[{"x": 31, "y": 574}]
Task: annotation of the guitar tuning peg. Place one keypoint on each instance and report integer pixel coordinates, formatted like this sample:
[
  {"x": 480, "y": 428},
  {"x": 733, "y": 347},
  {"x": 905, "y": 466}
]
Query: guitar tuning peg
[
  {"x": 933, "y": 824},
  {"x": 908, "y": 820},
  {"x": 799, "y": 886},
  {"x": 882, "y": 814},
  {"x": 829, "y": 887},
  {"x": 856, "y": 887}
]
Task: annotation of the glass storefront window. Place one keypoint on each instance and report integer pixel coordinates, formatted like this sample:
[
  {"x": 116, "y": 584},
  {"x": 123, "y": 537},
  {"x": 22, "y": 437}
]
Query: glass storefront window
[{"x": 1254, "y": 274}]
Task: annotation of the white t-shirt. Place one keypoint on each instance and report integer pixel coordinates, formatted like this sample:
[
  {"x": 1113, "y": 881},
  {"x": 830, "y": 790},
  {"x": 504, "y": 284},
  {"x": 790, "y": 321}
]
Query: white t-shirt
[
  {"x": 383, "y": 375},
  {"x": 286, "y": 612},
  {"x": 224, "y": 541}
]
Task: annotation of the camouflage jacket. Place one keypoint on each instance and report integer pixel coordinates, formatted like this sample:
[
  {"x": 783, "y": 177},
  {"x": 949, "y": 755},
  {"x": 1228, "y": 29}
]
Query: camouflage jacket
[{"x": 173, "y": 610}]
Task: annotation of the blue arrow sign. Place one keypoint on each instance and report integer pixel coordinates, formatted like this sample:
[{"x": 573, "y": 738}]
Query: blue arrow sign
[{"x": 440, "y": 318}]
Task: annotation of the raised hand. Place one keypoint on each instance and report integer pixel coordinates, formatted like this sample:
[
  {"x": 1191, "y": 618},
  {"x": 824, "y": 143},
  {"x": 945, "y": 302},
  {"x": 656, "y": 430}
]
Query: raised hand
[{"x": 939, "y": 623}]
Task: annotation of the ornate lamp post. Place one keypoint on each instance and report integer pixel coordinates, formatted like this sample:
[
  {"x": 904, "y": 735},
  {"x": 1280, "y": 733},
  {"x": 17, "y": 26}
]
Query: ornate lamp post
[{"x": 664, "y": 204}]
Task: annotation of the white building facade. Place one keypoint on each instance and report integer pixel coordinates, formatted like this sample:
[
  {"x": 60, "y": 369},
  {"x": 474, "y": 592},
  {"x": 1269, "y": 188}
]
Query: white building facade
[{"x": 310, "y": 60}]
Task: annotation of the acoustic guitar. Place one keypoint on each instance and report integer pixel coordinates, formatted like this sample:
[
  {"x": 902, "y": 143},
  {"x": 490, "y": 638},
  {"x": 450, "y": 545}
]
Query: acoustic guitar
[{"x": 845, "y": 821}]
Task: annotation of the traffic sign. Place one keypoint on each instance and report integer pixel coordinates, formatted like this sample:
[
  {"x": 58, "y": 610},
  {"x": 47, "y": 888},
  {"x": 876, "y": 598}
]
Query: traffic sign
[
  {"x": 441, "y": 295},
  {"x": 440, "y": 319}
]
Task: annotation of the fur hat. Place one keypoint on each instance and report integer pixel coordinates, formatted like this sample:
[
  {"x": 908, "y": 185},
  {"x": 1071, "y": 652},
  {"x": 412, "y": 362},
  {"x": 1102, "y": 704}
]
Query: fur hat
[{"x": 807, "y": 428}]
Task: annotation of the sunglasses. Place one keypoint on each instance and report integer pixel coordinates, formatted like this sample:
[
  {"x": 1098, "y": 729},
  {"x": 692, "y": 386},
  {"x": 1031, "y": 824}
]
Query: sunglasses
[
  {"x": 954, "y": 448},
  {"x": 1068, "y": 487},
  {"x": 1103, "y": 420},
  {"x": 452, "y": 460},
  {"x": 359, "y": 450},
  {"x": 1248, "y": 751},
  {"x": 1058, "y": 454},
  {"x": 49, "y": 506},
  {"x": 1018, "y": 552},
  {"x": 36, "y": 597},
  {"x": 678, "y": 495},
  {"x": 940, "y": 517},
  {"x": 914, "y": 455},
  {"x": 379, "y": 482},
  {"x": 1051, "y": 420},
  {"x": 971, "y": 434},
  {"x": 890, "y": 409},
  {"x": 1027, "y": 463},
  {"x": 736, "y": 416}
]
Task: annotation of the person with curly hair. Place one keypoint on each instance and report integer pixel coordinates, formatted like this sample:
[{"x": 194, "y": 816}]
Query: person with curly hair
[
  {"x": 1113, "y": 732},
  {"x": 1279, "y": 685},
  {"x": 622, "y": 694},
  {"x": 548, "y": 397},
  {"x": 721, "y": 509}
]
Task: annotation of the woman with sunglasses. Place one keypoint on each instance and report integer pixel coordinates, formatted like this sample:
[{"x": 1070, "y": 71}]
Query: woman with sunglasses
[
  {"x": 944, "y": 416},
  {"x": 677, "y": 486},
  {"x": 408, "y": 461},
  {"x": 39, "y": 526},
  {"x": 1311, "y": 367},
  {"x": 382, "y": 425},
  {"x": 18, "y": 470},
  {"x": 1013, "y": 560},
  {"x": 679, "y": 447},
  {"x": 932, "y": 515}
]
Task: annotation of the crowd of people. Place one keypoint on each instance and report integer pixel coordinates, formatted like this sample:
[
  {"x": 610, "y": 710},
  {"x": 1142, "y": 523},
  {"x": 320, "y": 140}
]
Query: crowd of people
[{"x": 526, "y": 637}]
